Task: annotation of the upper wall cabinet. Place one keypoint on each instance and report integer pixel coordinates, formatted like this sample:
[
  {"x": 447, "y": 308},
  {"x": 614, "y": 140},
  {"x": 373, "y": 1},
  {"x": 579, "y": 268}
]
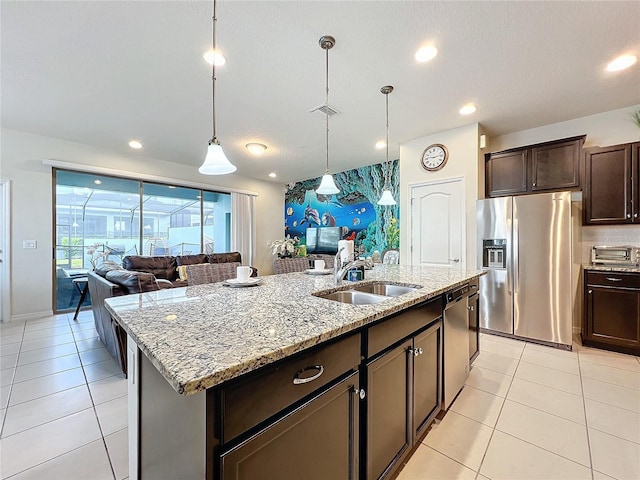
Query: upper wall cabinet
[
  {"x": 535, "y": 168},
  {"x": 611, "y": 185}
]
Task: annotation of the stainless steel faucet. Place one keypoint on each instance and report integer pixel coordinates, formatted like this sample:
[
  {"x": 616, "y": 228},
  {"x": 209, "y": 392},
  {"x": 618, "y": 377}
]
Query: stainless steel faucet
[{"x": 340, "y": 271}]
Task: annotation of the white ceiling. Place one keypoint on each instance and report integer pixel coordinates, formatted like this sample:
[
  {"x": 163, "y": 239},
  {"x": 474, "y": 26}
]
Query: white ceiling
[{"x": 103, "y": 72}]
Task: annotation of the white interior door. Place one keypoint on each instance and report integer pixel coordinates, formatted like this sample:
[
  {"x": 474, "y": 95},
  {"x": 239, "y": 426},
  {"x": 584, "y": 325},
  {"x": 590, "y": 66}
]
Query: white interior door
[
  {"x": 438, "y": 224},
  {"x": 5, "y": 297}
]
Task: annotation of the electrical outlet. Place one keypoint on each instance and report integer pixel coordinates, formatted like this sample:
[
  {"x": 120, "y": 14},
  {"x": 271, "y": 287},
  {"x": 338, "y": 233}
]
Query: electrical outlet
[{"x": 29, "y": 244}]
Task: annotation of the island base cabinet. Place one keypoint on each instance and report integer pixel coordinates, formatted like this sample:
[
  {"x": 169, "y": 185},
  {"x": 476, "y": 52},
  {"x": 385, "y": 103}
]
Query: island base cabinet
[
  {"x": 317, "y": 441},
  {"x": 426, "y": 379},
  {"x": 388, "y": 430}
]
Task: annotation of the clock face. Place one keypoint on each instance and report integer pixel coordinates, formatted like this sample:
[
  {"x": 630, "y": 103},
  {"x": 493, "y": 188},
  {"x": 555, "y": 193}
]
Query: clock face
[{"x": 434, "y": 157}]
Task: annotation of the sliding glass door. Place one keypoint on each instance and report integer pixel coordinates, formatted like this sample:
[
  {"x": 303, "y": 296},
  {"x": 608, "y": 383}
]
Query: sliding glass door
[{"x": 101, "y": 218}]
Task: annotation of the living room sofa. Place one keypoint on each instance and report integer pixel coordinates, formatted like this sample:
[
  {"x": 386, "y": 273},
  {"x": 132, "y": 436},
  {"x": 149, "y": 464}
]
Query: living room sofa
[{"x": 138, "y": 274}]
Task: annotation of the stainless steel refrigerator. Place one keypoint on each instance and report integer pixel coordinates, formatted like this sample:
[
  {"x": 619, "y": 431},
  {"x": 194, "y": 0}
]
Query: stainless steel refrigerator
[{"x": 524, "y": 244}]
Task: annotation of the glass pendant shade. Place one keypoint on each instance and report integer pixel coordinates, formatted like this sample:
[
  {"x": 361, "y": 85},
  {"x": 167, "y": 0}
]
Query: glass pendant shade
[
  {"x": 327, "y": 185},
  {"x": 386, "y": 198},
  {"x": 216, "y": 162}
]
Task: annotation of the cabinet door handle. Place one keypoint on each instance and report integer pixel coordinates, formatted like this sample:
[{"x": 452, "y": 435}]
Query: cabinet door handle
[
  {"x": 635, "y": 215},
  {"x": 360, "y": 392},
  {"x": 628, "y": 215},
  {"x": 614, "y": 279},
  {"x": 590, "y": 292},
  {"x": 470, "y": 307},
  {"x": 297, "y": 380},
  {"x": 534, "y": 184}
]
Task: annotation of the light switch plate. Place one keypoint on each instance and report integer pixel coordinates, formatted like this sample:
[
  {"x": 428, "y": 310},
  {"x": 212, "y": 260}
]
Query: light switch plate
[{"x": 29, "y": 244}]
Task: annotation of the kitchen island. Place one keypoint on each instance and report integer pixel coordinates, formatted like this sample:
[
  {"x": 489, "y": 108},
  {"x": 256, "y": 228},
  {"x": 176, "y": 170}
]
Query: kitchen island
[{"x": 205, "y": 362}]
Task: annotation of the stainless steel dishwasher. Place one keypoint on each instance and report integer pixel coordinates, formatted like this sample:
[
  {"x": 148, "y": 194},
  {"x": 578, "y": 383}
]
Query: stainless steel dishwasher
[{"x": 456, "y": 343}]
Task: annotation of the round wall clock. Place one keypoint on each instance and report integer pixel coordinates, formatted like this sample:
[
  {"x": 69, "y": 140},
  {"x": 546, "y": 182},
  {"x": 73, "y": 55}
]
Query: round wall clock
[{"x": 434, "y": 157}]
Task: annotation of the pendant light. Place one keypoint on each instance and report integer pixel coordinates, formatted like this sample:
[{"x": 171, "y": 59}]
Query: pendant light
[
  {"x": 387, "y": 198},
  {"x": 216, "y": 162},
  {"x": 327, "y": 185}
]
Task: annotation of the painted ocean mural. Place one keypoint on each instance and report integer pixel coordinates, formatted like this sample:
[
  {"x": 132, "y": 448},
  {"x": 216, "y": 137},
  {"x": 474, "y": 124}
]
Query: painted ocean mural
[{"x": 371, "y": 226}]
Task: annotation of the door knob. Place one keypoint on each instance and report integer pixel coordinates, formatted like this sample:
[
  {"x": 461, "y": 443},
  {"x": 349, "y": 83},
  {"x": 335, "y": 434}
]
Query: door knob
[{"x": 455, "y": 260}]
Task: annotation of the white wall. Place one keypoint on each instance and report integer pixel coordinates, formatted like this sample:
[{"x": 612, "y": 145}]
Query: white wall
[
  {"x": 32, "y": 197},
  {"x": 464, "y": 156}
]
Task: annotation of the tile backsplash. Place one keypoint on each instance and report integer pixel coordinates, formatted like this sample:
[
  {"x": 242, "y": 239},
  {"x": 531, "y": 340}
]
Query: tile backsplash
[{"x": 607, "y": 235}]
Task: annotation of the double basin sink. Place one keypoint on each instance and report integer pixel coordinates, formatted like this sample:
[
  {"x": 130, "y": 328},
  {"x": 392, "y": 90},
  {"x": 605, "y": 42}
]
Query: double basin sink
[{"x": 367, "y": 294}]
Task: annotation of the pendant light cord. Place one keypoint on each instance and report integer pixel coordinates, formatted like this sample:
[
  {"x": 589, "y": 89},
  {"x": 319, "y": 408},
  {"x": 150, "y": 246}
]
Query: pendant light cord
[
  {"x": 386, "y": 177},
  {"x": 213, "y": 74},
  {"x": 326, "y": 101}
]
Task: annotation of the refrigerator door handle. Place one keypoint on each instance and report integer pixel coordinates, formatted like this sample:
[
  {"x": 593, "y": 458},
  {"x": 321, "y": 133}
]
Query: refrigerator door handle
[
  {"x": 509, "y": 256},
  {"x": 516, "y": 256}
]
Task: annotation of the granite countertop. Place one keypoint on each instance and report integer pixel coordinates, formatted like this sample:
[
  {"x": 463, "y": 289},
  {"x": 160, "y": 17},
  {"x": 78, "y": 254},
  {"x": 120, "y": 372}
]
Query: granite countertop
[
  {"x": 200, "y": 336},
  {"x": 611, "y": 268}
]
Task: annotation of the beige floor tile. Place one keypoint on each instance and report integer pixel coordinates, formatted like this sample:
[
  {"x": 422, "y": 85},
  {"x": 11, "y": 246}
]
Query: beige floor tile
[
  {"x": 41, "y": 387},
  {"x": 2, "y": 412},
  {"x": 549, "y": 360},
  {"x": 11, "y": 349},
  {"x": 46, "y": 367},
  {"x": 94, "y": 356},
  {"x": 112, "y": 415},
  {"x": 11, "y": 330},
  {"x": 85, "y": 334},
  {"x": 45, "y": 442},
  {"x": 489, "y": 381},
  {"x": 507, "y": 340},
  {"x": 509, "y": 458},
  {"x": 428, "y": 464},
  {"x": 613, "y": 420},
  {"x": 601, "y": 476},
  {"x": 46, "y": 353},
  {"x": 497, "y": 363},
  {"x": 555, "y": 434},
  {"x": 501, "y": 348},
  {"x": 91, "y": 344},
  {"x": 614, "y": 456},
  {"x": 45, "y": 409},
  {"x": 4, "y": 396},
  {"x": 89, "y": 462},
  {"x": 118, "y": 449},
  {"x": 549, "y": 377},
  {"x": 605, "y": 373},
  {"x": 560, "y": 352},
  {"x": 108, "y": 388},
  {"x": 47, "y": 332},
  {"x": 12, "y": 324},
  {"x": 460, "y": 438},
  {"x": 46, "y": 342},
  {"x": 6, "y": 376},
  {"x": 550, "y": 400},
  {"x": 478, "y": 405},
  {"x": 100, "y": 370},
  {"x": 612, "y": 359},
  {"x": 611, "y": 394},
  {"x": 49, "y": 322},
  {"x": 9, "y": 339},
  {"x": 8, "y": 361}
]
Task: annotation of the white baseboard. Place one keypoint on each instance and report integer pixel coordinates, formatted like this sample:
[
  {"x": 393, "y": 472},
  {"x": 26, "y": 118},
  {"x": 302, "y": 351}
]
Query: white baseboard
[{"x": 31, "y": 316}]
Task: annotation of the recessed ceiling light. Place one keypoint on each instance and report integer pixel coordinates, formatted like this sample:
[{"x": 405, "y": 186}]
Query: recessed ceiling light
[
  {"x": 468, "y": 109},
  {"x": 621, "y": 62},
  {"x": 211, "y": 56},
  {"x": 380, "y": 145},
  {"x": 424, "y": 54},
  {"x": 97, "y": 182},
  {"x": 273, "y": 175},
  {"x": 135, "y": 144},
  {"x": 256, "y": 148}
]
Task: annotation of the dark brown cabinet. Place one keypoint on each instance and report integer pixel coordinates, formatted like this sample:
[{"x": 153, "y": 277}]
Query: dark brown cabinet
[
  {"x": 610, "y": 189},
  {"x": 317, "y": 441},
  {"x": 403, "y": 396},
  {"x": 542, "y": 167},
  {"x": 612, "y": 311}
]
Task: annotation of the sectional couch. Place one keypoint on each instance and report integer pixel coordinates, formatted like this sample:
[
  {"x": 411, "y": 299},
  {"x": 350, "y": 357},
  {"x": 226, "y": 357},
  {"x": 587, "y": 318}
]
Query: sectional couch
[{"x": 138, "y": 274}]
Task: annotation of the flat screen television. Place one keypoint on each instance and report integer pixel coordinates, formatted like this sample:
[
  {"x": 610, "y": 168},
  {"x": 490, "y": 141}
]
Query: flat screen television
[{"x": 323, "y": 239}]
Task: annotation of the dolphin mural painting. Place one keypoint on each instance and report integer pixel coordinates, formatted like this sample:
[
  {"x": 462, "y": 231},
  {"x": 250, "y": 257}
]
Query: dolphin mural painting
[
  {"x": 328, "y": 220},
  {"x": 311, "y": 216}
]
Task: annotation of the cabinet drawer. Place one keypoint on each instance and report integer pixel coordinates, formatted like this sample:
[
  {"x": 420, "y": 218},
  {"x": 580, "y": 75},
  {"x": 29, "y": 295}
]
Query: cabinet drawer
[
  {"x": 393, "y": 329},
  {"x": 614, "y": 279},
  {"x": 249, "y": 402}
]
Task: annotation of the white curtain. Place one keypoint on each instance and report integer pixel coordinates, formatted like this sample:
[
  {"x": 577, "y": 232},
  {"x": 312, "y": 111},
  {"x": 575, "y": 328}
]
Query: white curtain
[{"x": 243, "y": 233}]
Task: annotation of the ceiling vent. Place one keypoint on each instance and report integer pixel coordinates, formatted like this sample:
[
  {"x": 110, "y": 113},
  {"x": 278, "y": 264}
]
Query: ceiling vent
[{"x": 324, "y": 109}]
